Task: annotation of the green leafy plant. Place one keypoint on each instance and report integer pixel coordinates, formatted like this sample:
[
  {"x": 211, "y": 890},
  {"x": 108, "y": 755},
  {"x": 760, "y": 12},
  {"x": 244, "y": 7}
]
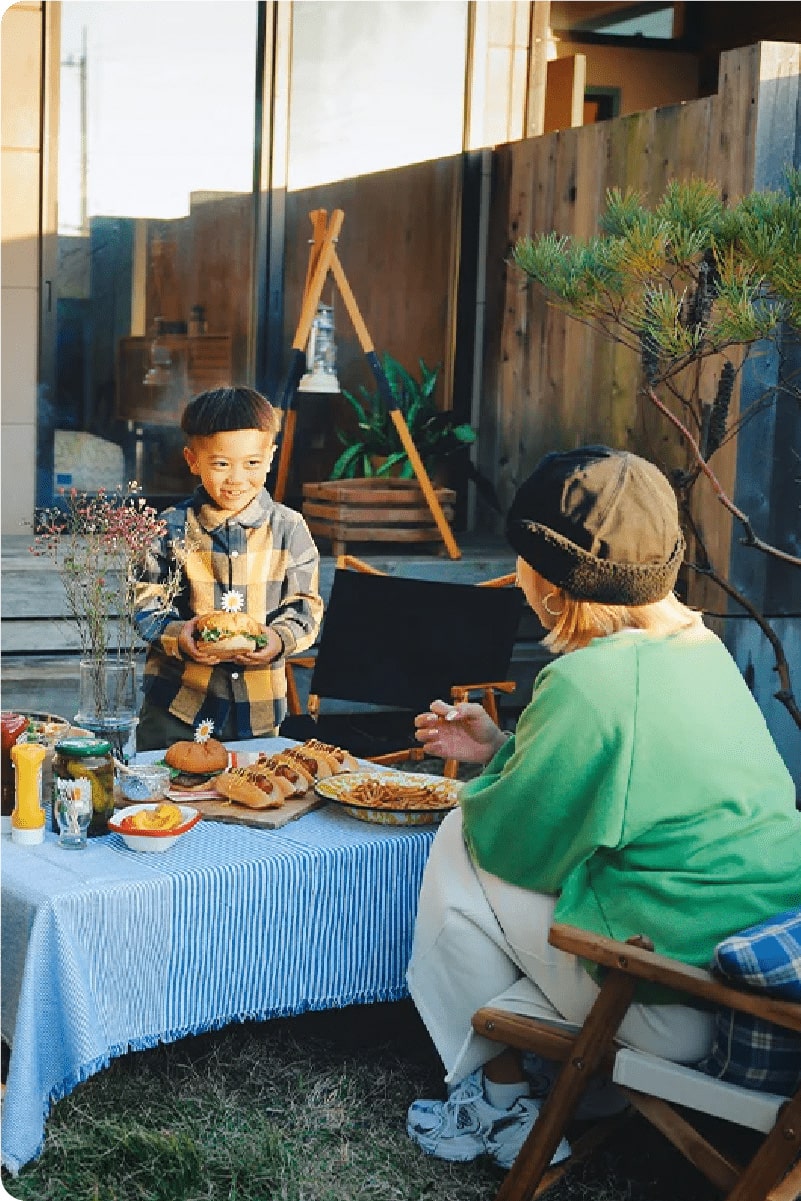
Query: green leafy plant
[
  {"x": 687, "y": 284},
  {"x": 436, "y": 433}
]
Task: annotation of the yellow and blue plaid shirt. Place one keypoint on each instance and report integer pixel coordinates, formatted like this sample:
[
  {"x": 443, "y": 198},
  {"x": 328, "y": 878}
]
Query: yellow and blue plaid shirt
[{"x": 265, "y": 553}]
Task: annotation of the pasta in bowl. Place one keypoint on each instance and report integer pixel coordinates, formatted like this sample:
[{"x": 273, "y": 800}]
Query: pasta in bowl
[{"x": 392, "y": 798}]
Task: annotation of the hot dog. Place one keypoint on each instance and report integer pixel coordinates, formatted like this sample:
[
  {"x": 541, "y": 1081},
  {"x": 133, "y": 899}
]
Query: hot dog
[
  {"x": 338, "y": 759},
  {"x": 254, "y": 790}
]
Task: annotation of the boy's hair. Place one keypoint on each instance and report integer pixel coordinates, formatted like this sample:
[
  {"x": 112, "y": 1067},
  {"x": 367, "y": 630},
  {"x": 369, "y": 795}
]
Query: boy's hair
[{"x": 223, "y": 409}]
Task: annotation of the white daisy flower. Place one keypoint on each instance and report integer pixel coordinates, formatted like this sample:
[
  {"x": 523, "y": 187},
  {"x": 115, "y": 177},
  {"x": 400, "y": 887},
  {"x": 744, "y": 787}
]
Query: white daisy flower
[
  {"x": 232, "y": 601},
  {"x": 204, "y": 730}
]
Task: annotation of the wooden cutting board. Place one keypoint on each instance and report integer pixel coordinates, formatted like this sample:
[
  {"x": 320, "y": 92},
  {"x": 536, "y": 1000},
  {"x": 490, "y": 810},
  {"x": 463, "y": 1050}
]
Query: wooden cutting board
[{"x": 264, "y": 819}]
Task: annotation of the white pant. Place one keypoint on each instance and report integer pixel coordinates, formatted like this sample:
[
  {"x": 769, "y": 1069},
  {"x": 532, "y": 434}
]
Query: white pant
[{"x": 480, "y": 941}]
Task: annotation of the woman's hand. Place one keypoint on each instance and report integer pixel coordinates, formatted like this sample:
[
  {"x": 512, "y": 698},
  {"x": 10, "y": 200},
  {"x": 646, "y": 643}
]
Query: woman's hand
[{"x": 465, "y": 732}]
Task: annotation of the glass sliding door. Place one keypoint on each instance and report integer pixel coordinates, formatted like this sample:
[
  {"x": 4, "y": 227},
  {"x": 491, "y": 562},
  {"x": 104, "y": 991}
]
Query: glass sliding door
[{"x": 147, "y": 273}]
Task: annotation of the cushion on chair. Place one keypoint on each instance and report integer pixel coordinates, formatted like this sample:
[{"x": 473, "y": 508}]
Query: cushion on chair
[
  {"x": 747, "y": 1050},
  {"x": 766, "y": 956}
]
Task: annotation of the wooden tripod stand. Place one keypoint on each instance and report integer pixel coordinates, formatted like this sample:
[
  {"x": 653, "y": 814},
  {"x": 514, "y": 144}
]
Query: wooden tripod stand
[{"x": 322, "y": 259}]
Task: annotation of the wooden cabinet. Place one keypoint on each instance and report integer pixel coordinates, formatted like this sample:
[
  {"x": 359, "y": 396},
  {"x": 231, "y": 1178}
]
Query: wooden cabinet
[{"x": 197, "y": 363}]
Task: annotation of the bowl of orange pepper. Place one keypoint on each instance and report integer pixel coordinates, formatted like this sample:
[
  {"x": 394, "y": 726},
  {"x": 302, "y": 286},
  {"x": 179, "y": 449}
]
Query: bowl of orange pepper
[{"x": 149, "y": 827}]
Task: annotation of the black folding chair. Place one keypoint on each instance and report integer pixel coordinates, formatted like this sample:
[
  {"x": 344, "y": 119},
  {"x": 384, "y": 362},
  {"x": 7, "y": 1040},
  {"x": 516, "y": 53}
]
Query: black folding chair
[{"x": 390, "y": 645}]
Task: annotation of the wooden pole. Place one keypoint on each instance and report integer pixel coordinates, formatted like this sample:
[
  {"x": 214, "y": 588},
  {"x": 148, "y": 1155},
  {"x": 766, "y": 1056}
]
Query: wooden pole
[
  {"x": 322, "y": 251},
  {"x": 322, "y": 259},
  {"x": 398, "y": 420}
]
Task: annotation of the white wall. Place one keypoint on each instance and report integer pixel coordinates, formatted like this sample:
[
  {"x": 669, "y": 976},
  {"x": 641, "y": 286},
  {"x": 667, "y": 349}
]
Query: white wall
[{"x": 20, "y": 84}]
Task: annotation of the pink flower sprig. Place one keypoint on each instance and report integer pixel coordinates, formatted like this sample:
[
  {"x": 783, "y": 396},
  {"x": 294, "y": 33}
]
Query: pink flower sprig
[{"x": 99, "y": 545}]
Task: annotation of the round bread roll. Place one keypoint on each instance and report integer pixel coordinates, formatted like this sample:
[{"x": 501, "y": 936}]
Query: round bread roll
[
  {"x": 229, "y": 632},
  {"x": 197, "y": 758},
  {"x": 243, "y": 788}
]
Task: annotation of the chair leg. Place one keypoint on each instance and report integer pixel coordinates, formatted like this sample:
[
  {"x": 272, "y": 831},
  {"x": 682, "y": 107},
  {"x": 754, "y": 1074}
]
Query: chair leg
[
  {"x": 790, "y": 1187},
  {"x": 591, "y": 1046},
  {"x": 686, "y": 1139},
  {"x": 774, "y": 1157}
]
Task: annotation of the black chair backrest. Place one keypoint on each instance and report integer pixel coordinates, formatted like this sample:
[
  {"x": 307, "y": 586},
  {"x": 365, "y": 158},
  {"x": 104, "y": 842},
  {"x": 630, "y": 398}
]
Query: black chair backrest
[{"x": 402, "y": 642}]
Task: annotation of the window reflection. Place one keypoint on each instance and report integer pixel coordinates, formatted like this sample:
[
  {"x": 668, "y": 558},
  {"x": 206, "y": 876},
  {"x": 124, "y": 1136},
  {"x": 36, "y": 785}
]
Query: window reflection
[
  {"x": 374, "y": 86},
  {"x": 154, "y": 184}
]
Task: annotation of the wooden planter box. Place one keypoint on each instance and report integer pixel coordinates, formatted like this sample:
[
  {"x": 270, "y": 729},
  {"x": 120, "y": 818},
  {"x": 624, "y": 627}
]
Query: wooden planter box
[{"x": 372, "y": 510}]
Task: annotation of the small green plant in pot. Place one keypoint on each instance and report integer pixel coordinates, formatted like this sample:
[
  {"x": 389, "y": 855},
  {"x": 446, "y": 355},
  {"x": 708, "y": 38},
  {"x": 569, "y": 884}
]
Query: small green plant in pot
[{"x": 436, "y": 433}]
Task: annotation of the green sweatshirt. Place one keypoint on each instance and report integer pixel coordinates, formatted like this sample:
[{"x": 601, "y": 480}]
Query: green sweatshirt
[{"x": 643, "y": 786}]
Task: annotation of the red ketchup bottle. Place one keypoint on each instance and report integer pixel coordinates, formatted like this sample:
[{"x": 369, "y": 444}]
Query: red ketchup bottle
[{"x": 11, "y": 726}]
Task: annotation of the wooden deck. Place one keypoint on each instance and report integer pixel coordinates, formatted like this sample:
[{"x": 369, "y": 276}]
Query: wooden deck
[{"x": 40, "y": 648}]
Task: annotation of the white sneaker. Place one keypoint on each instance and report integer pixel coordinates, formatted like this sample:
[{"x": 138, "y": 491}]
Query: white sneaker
[
  {"x": 511, "y": 1130},
  {"x": 466, "y": 1125},
  {"x": 602, "y": 1098}
]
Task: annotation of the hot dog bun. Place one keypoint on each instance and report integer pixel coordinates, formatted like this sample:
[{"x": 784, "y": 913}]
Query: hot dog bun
[
  {"x": 285, "y": 770},
  {"x": 315, "y": 767},
  {"x": 338, "y": 759},
  {"x": 239, "y": 786}
]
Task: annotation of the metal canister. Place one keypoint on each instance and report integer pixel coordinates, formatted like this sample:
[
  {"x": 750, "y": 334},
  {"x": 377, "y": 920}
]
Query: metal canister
[{"x": 89, "y": 760}]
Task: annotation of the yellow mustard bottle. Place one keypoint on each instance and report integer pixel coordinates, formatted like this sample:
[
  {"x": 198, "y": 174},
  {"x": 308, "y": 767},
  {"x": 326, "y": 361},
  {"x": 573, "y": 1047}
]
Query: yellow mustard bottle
[{"x": 28, "y": 818}]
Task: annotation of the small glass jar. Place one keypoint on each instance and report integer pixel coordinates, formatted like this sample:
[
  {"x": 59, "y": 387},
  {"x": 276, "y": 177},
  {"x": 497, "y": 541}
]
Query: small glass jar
[{"x": 90, "y": 761}]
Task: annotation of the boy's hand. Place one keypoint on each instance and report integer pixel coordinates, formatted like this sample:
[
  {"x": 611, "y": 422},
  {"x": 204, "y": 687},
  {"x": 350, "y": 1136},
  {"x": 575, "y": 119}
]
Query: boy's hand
[
  {"x": 201, "y": 652},
  {"x": 263, "y": 656},
  {"x": 206, "y": 652}
]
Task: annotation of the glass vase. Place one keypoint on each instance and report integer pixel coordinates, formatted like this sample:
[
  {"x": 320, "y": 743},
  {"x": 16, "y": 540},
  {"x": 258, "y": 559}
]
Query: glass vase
[{"x": 107, "y": 704}]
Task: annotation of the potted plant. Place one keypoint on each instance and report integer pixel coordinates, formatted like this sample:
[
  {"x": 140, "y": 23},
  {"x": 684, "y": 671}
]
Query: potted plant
[{"x": 375, "y": 449}]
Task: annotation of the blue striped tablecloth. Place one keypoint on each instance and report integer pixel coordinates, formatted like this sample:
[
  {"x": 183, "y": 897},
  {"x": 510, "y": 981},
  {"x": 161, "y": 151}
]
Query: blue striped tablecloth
[{"x": 105, "y": 951}]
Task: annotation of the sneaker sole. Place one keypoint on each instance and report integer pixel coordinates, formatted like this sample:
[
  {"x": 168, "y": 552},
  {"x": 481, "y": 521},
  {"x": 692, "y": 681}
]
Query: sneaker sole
[
  {"x": 444, "y": 1150},
  {"x": 559, "y": 1157}
]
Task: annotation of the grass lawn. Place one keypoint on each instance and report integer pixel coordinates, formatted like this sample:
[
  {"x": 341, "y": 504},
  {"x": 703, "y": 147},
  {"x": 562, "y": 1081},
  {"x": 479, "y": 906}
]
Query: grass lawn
[{"x": 299, "y": 1109}]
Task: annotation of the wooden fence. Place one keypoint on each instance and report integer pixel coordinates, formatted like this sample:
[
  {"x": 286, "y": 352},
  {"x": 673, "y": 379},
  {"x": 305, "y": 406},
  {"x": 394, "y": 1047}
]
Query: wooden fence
[{"x": 549, "y": 381}]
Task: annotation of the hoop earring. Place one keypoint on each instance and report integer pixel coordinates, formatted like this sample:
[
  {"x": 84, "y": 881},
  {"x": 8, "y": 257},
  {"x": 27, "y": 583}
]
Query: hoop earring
[{"x": 547, "y": 607}]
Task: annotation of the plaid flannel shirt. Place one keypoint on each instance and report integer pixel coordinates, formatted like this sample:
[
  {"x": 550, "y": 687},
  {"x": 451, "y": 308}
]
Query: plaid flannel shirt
[{"x": 267, "y": 554}]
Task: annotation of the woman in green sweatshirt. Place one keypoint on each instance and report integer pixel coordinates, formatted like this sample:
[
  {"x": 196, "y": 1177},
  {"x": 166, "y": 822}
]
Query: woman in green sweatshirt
[{"x": 640, "y": 793}]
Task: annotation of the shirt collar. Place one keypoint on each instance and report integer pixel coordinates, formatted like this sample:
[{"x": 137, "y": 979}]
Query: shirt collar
[{"x": 211, "y": 518}]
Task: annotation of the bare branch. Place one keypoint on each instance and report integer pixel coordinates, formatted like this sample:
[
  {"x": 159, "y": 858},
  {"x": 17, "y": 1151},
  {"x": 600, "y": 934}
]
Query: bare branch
[{"x": 751, "y": 538}]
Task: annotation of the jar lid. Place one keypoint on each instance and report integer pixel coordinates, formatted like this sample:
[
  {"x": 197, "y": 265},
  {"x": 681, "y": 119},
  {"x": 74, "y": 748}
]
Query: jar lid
[{"x": 82, "y": 747}]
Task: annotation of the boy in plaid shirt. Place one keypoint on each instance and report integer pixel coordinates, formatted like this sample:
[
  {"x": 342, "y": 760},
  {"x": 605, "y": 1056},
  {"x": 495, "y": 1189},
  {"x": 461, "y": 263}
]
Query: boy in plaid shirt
[{"x": 237, "y": 548}]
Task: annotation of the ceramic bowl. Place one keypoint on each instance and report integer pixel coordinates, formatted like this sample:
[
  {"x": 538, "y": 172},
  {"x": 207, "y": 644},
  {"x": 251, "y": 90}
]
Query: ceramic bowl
[
  {"x": 144, "y": 782},
  {"x": 152, "y": 840}
]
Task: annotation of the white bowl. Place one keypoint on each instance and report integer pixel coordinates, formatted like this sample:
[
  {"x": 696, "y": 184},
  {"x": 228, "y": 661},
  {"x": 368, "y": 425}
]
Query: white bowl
[{"x": 152, "y": 840}]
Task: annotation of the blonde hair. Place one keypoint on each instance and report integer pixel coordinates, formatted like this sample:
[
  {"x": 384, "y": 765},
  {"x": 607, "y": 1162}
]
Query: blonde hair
[{"x": 579, "y": 621}]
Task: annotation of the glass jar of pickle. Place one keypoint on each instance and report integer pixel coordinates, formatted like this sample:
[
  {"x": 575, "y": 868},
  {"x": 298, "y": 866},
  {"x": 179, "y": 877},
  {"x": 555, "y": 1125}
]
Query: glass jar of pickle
[{"x": 90, "y": 761}]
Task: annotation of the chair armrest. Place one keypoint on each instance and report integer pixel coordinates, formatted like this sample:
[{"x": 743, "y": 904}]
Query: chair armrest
[
  {"x": 292, "y": 696},
  {"x": 672, "y": 973}
]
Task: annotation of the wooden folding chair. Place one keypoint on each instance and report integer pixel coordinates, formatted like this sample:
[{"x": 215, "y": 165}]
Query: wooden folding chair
[
  {"x": 396, "y": 643},
  {"x": 653, "y": 1085}
]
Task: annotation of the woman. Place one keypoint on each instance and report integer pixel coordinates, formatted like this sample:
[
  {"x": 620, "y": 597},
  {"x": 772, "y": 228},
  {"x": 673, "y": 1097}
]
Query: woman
[{"x": 640, "y": 793}]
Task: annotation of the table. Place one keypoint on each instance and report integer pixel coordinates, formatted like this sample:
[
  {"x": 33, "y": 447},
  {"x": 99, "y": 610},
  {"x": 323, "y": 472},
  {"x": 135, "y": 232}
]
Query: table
[{"x": 106, "y": 951}]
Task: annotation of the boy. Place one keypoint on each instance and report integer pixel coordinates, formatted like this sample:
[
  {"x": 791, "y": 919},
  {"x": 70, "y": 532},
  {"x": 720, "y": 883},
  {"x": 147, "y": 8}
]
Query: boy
[{"x": 238, "y": 549}]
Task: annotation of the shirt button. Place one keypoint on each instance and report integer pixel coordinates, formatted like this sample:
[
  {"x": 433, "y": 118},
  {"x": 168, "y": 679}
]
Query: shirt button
[
  {"x": 234, "y": 675},
  {"x": 234, "y": 554}
]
